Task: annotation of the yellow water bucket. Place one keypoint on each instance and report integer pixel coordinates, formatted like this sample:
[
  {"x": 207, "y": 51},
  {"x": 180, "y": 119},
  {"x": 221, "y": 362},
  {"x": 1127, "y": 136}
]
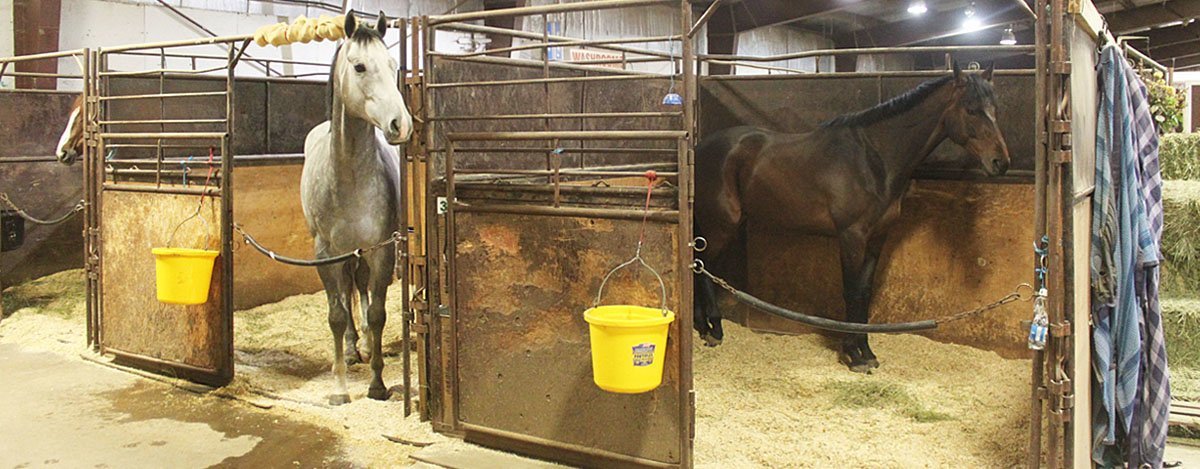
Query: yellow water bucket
[
  {"x": 628, "y": 346},
  {"x": 183, "y": 275},
  {"x": 628, "y": 342}
]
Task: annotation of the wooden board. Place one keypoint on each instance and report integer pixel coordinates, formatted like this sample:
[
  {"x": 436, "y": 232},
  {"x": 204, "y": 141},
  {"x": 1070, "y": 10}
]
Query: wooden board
[
  {"x": 958, "y": 245},
  {"x": 523, "y": 362},
  {"x": 192, "y": 341},
  {"x": 266, "y": 203}
]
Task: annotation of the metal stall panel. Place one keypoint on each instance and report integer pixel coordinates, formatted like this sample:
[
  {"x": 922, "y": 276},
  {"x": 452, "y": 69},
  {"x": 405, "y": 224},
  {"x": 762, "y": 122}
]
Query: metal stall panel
[
  {"x": 957, "y": 232},
  {"x": 29, "y": 130},
  {"x": 524, "y": 367},
  {"x": 192, "y": 342}
]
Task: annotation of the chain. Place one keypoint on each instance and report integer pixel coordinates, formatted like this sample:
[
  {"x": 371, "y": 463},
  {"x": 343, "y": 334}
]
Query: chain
[
  {"x": 37, "y": 221},
  {"x": 396, "y": 237},
  {"x": 1023, "y": 292}
]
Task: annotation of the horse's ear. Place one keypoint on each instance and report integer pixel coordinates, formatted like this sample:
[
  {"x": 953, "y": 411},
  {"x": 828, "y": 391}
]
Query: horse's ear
[
  {"x": 382, "y": 25},
  {"x": 987, "y": 73},
  {"x": 957, "y": 72},
  {"x": 350, "y": 26}
]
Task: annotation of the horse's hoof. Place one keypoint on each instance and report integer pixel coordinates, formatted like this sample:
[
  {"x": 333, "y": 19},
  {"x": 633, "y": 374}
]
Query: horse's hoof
[
  {"x": 864, "y": 368},
  {"x": 873, "y": 363},
  {"x": 711, "y": 341},
  {"x": 380, "y": 393},
  {"x": 353, "y": 358},
  {"x": 339, "y": 399}
]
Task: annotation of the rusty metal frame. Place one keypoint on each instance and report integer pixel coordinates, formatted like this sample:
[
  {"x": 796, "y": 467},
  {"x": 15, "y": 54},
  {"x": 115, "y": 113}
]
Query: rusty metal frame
[{"x": 440, "y": 391}]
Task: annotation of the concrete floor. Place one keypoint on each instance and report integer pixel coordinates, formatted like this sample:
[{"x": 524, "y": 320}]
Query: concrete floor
[
  {"x": 57, "y": 412},
  {"x": 70, "y": 413}
]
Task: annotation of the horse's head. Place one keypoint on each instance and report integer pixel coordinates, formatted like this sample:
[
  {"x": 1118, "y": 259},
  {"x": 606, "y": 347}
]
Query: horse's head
[
  {"x": 70, "y": 144},
  {"x": 971, "y": 120},
  {"x": 364, "y": 79}
]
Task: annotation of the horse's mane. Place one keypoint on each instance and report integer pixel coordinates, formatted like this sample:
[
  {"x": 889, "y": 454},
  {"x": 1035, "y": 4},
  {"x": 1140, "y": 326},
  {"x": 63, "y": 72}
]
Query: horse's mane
[
  {"x": 976, "y": 89},
  {"x": 363, "y": 34}
]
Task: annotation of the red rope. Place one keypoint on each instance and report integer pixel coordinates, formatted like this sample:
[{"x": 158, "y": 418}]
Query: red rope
[{"x": 651, "y": 176}]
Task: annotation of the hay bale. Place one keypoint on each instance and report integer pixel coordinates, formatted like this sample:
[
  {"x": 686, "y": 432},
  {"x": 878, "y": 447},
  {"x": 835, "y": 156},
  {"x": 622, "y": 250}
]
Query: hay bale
[
  {"x": 1181, "y": 239},
  {"x": 1181, "y": 324},
  {"x": 1179, "y": 156}
]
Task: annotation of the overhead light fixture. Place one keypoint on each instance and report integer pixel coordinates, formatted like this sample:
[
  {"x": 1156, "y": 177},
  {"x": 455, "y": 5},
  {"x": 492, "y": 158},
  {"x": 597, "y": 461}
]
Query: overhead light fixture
[
  {"x": 917, "y": 8},
  {"x": 1008, "y": 38},
  {"x": 972, "y": 23}
]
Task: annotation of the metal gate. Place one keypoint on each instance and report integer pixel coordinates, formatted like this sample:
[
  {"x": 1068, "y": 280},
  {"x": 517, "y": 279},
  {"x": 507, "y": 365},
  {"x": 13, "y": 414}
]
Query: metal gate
[{"x": 537, "y": 190}]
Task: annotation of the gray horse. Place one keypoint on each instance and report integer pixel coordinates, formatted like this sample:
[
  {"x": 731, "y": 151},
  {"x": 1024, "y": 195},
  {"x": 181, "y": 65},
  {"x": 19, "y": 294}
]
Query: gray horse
[{"x": 351, "y": 193}]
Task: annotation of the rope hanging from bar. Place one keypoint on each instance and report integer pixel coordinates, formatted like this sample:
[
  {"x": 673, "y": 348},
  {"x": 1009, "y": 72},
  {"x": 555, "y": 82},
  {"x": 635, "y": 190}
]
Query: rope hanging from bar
[{"x": 394, "y": 238}]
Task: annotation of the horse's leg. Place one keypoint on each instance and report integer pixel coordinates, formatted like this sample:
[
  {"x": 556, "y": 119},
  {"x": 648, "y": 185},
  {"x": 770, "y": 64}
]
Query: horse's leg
[
  {"x": 381, "y": 265},
  {"x": 856, "y": 292},
  {"x": 337, "y": 285},
  {"x": 352, "y": 356},
  {"x": 361, "y": 280},
  {"x": 870, "y": 263}
]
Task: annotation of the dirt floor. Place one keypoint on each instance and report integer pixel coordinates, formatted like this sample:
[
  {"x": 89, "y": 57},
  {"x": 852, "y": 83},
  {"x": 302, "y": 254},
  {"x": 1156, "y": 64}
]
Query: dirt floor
[{"x": 762, "y": 400}]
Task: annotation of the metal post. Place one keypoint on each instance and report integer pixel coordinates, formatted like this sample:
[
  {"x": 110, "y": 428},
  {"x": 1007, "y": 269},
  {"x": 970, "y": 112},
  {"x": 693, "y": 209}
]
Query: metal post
[
  {"x": 402, "y": 244},
  {"x": 227, "y": 158},
  {"x": 1037, "y": 390},
  {"x": 687, "y": 419}
]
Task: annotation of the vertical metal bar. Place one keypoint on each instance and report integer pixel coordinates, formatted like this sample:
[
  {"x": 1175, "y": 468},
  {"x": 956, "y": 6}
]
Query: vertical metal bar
[
  {"x": 1054, "y": 229},
  {"x": 103, "y": 89},
  {"x": 687, "y": 417},
  {"x": 417, "y": 210},
  {"x": 452, "y": 280},
  {"x": 1034, "y": 457},
  {"x": 88, "y": 200},
  {"x": 162, "y": 114},
  {"x": 433, "y": 257},
  {"x": 402, "y": 244},
  {"x": 227, "y": 213}
]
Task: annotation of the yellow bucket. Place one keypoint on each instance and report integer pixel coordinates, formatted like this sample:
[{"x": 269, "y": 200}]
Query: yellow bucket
[
  {"x": 183, "y": 275},
  {"x": 628, "y": 346}
]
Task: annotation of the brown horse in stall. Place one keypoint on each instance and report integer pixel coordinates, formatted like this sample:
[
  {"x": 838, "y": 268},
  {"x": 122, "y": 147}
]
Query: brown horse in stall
[
  {"x": 70, "y": 144},
  {"x": 845, "y": 179}
]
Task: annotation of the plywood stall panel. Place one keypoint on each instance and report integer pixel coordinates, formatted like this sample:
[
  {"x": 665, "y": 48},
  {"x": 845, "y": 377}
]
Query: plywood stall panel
[
  {"x": 134, "y": 323},
  {"x": 524, "y": 365},
  {"x": 30, "y": 126},
  {"x": 961, "y": 241},
  {"x": 266, "y": 203}
]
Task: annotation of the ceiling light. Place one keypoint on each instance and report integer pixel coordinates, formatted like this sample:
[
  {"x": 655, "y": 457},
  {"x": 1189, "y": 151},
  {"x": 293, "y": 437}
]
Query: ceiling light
[
  {"x": 972, "y": 23},
  {"x": 1008, "y": 38},
  {"x": 970, "y": 10},
  {"x": 917, "y": 8}
]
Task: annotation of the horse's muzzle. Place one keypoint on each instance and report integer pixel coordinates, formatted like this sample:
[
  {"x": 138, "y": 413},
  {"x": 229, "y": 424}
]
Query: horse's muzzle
[{"x": 67, "y": 157}]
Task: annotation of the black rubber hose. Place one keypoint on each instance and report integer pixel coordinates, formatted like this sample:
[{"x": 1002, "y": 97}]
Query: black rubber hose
[
  {"x": 301, "y": 262},
  {"x": 832, "y": 325}
]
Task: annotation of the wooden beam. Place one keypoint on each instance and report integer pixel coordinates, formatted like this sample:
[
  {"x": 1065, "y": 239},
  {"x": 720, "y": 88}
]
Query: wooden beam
[
  {"x": 500, "y": 41},
  {"x": 35, "y": 30},
  {"x": 929, "y": 27},
  {"x": 1155, "y": 14}
]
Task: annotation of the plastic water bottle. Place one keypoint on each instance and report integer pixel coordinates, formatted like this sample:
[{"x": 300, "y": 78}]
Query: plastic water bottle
[{"x": 1040, "y": 324}]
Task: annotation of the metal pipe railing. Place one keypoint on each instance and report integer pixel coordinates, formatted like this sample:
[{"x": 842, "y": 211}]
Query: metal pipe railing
[
  {"x": 581, "y": 42},
  {"x": 593, "y": 5},
  {"x": 537, "y": 81},
  {"x": 539, "y": 64},
  {"x": 581, "y": 115},
  {"x": 866, "y": 51},
  {"x": 474, "y": 28},
  {"x": 568, "y": 135}
]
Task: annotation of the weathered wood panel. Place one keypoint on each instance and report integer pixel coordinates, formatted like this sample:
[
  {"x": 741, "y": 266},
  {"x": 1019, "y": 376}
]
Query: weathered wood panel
[
  {"x": 266, "y": 203},
  {"x": 958, "y": 245},
  {"x": 30, "y": 126},
  {"x": 800, "y": 104},
  {"x": 133, "y": 319},
  {"x": 524, "y": 365}
]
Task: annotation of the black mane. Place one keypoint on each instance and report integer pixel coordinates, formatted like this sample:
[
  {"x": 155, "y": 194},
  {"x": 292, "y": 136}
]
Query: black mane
[{"x": 977, "y": 90}]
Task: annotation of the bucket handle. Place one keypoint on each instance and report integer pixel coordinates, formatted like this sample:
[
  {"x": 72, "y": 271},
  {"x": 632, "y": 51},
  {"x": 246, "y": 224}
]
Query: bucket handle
[{"x": 638, "y": 258}]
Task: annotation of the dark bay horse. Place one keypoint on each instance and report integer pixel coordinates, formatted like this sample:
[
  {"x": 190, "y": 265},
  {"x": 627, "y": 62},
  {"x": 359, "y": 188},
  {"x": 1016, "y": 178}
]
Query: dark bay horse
[{"x": 844, "y": 180}]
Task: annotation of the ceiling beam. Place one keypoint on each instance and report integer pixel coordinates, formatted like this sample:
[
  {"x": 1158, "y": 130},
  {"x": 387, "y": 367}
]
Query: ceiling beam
[
  {"x": 1155, "y": 14},
  {"x": 1186, "y": 62},
  {"x": 746, "y": 15},
  {"x": 928, "y": 27},
  {"x": 1182, "y": 49},
  {"x": 1170, "y": 35}
]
